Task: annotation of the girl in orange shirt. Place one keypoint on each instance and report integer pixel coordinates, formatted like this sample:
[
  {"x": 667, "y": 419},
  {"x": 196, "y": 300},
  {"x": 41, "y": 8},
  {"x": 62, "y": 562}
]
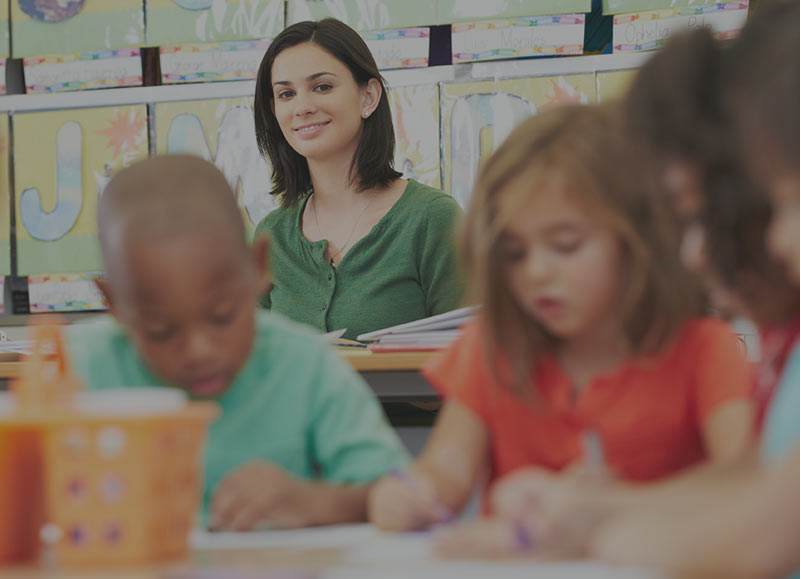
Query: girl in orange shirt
[{"x": 590, "y": 331}]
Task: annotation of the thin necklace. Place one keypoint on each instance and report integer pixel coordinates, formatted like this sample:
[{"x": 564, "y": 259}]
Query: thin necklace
[{"x": 352, "y": 231}]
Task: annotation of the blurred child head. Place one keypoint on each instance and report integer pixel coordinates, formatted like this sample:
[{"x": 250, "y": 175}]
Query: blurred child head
[
  {"x": 562, "y": 240},
  {"x": 179, "y": 273},
  {"x": 764, "y": 103},
  {"x": 676, "y": 111}
]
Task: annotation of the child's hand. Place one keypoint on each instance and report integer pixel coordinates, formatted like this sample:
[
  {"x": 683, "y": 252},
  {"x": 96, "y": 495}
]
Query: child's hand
[
  {"x": 259, "y": 493},
  {"x": 404, "y": 502},
  {"x": 560, "y": 511}
]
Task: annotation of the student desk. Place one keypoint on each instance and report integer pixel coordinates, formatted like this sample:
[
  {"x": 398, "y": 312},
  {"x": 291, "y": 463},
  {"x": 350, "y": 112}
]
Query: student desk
[
  {"x": 347, "y": 552},
  {"x": 393, "y": 376}
]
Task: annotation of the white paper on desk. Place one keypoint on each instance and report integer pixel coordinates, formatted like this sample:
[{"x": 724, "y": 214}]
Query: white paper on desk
[
  {"x": 396, "y": 548},
  {"x": 452, "y": 319},
  {"x": 335, "y": 537},
  {"x": 335, "y": 334},
  {"x": 486, "y": 569}
]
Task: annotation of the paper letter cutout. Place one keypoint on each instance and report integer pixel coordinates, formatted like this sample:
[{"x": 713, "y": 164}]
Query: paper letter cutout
[
  {"x": 237, "y": 155},
  {"x": 471, "y": 114},
  {"x": 55, "y": 224}
]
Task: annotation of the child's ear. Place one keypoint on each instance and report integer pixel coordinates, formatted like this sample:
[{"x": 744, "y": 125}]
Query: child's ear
[
  {"x": 260, "y": 256},
  {"x": 104, "y": 287}
]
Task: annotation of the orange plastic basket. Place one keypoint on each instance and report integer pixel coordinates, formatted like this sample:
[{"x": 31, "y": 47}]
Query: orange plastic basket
[
  {"x": 111, "y": 489},
  {"x": 21, "y": 492}
]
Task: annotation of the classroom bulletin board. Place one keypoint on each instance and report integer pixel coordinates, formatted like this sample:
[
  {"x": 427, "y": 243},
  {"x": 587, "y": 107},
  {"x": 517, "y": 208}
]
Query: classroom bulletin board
[
  {"x": 221, "y": 131},
  {"x": 63, "y": 159},
  {"x": 172, "y": 22},
  {"x": 62, "y": 162},
  {"x": 478, "y": 116},
  {"x": 73, "y": 26}
]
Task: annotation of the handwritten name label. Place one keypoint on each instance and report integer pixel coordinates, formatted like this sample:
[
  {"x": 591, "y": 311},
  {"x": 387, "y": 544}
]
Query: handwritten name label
[
  {"x": 69, "y": 293},
  {"x": 189, "y": 64},
  {"x": 649, "y": 30},
  {"x": 504, "y": 39},
  {"x": 398, "y": 50},
  {"x": 83, "y": 74}
]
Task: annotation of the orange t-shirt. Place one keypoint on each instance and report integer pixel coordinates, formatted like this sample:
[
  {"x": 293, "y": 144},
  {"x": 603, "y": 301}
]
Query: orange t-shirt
[{"x": 648, "y": 413}]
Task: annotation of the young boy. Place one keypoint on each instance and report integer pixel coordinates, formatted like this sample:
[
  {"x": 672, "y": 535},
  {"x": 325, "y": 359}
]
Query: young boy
[{"x": 300, "y": 437}]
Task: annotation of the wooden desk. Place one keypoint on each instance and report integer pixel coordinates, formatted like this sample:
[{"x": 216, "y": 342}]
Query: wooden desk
[
  {"x": 364, "y": 360},
  {"x": 393, "y": 376},
  {"x": 9, "y": 370}
]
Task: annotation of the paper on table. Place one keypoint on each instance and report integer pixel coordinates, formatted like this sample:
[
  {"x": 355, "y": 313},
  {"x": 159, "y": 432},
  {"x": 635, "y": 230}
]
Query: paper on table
[
  {"x": 370, "y": 553},
  {"x": 335, "y": 334},
  {"x": 337, "y": 536},
  {"x": 494, "y": 569},
  {"x": 450, "y": 319},
  {"x": 396, "y": 548}
]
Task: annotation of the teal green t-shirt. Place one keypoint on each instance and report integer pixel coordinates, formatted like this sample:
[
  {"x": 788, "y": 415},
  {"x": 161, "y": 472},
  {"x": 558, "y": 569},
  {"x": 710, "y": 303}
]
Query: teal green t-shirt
[
  {"x": 403, "y": 270},
  {"x": 295, "y": 403},
  {"x": 783, "y": 419}
]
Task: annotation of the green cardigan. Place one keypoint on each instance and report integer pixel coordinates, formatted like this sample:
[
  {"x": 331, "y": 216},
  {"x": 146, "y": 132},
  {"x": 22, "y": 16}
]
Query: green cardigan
[{"x": 404, "y": 269}]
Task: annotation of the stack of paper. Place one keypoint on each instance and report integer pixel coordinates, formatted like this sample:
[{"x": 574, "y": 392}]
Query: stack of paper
[{"x": 432, "y": 333}]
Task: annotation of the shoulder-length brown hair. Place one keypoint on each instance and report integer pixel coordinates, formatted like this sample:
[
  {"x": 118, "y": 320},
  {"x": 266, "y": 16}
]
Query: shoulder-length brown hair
[
  {"x": 582, "y": 147},
  {"x": 372, "y": 163}
]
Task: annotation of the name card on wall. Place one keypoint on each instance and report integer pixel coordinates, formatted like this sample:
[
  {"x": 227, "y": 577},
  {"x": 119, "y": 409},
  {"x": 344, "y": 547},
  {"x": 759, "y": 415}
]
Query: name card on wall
[
  {"x": 640, "y": 31},
  {"x": 521, "y": 37},
  {"x": 2, "y": 76},
  {"x": 64, "y": 293},
  {"x": 89, "y": 70},
  {"x": 402, "y": 48},
  {"x": 212, "y": 62}
]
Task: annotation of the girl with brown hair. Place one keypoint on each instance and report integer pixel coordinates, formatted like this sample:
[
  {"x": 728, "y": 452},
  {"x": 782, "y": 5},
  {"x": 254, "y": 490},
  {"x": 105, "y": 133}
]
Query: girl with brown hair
[{"x": 591, "y": 336}]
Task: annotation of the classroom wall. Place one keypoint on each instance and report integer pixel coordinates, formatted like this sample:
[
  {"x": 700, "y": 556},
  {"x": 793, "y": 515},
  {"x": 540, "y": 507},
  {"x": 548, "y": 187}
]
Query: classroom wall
[{"x": 447, "y": 118}]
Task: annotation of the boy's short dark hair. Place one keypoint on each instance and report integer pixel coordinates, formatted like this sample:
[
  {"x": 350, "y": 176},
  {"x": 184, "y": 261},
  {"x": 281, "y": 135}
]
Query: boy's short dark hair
[{"x": 372, "y": 163}]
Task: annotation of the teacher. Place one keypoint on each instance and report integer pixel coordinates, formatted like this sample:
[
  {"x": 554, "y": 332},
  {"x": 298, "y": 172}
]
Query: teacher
[{"x": 354, "y": 246}]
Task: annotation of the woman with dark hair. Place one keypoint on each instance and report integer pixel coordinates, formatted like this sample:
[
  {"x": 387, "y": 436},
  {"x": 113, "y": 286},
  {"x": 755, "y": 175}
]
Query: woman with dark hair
[{"x": 354, "y": 245}]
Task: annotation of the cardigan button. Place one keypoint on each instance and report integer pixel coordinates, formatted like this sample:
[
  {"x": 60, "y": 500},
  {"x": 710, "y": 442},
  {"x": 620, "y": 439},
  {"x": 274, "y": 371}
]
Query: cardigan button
[
  {"x": 330, "y": 275},
  {"x": 325, "y": 307}
]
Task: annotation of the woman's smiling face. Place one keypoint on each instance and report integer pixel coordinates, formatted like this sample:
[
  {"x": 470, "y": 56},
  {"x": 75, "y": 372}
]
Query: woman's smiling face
[{"x": 317, "y": 102}]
